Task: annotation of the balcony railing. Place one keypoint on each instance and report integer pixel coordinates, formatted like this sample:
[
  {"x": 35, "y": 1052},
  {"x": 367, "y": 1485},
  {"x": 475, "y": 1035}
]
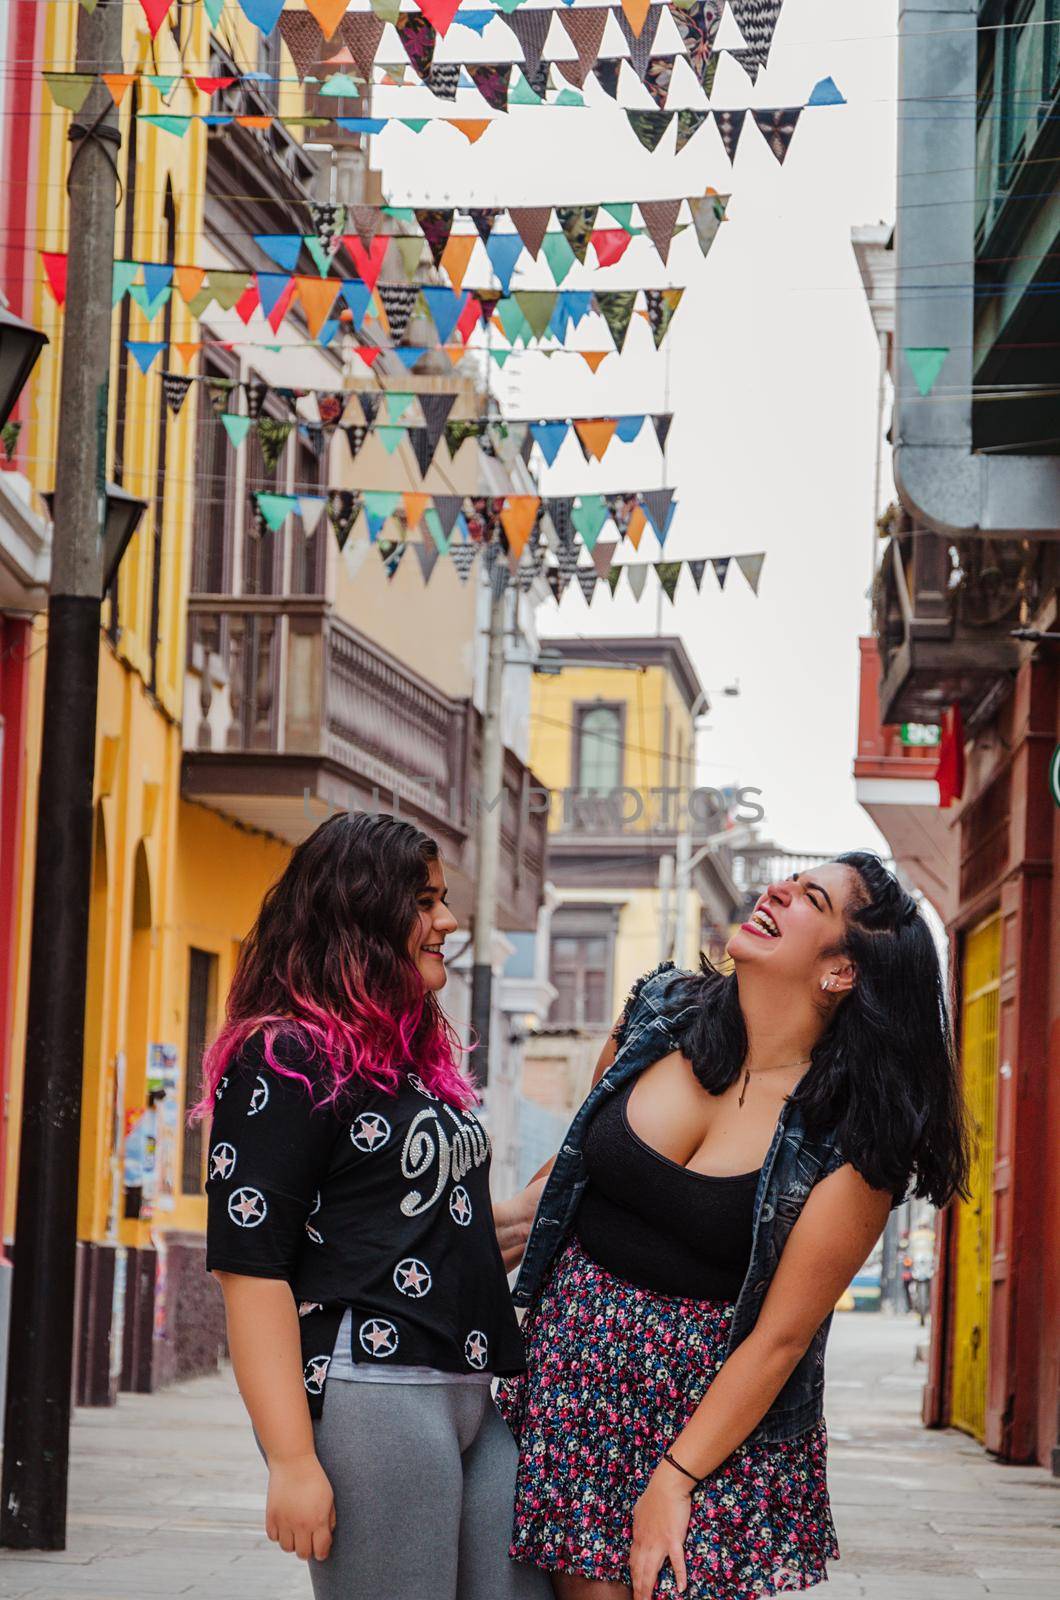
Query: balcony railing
[{"x": 285, "y": 701}]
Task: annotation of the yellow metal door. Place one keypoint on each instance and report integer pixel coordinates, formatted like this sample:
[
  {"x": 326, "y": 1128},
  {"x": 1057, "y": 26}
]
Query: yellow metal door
[{"x": 979, "y": 1063}]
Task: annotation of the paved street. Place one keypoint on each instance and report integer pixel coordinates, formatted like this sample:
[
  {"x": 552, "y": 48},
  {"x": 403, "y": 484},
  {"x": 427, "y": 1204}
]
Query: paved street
[{"x": 166, "y": 1498}]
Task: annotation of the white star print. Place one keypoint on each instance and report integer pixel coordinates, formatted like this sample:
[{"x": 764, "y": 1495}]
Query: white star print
[
  {"x": 378, "y": 1337},
  {"x": 460, "y": 1205},
  {"x": 418, "y": 1083},
  {"x": 370, "y": 1131},
  {"x": 222, "y": 1085},
  {"x": 476, "y": 1349},
  {"x": 260, "y": 1097},
  {"x": 307, "y": 1306},
  {"x": 222, "y": 1160},
  {"x": 243, "y": 1207},
  {"x": 314, "y": 1234},
  {"x": 316, "y": 1208},
  {"x": 316, "y": 1370},
  {"x": 412, "y": 1277}
]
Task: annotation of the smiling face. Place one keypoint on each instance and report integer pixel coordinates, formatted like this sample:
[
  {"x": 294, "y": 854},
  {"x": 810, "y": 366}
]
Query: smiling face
[
  {"x": 434, "y": 921},
  {"x": 796, "y": 923}
]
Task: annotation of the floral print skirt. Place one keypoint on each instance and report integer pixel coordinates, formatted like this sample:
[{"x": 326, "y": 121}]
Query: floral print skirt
[{"x": 614, "y": 1372}]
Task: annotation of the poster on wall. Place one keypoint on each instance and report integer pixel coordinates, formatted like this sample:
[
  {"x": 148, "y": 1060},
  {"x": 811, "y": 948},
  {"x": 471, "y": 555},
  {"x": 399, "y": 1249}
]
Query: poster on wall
[{"x": 163, "y": 1069}]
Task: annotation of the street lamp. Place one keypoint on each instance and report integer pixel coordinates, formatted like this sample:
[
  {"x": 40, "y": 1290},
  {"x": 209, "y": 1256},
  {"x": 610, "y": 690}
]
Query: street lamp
[
  {"x": 121, "y": 520},
  {"x": 20, "y": 345}
]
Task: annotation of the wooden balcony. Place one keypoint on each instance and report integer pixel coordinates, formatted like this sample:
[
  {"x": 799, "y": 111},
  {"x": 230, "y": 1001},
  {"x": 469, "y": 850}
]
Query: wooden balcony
[{"x": 291, "y": 714}]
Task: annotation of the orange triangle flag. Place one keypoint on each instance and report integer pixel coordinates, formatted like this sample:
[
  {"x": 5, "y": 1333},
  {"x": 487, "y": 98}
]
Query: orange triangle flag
[
  {"x": 455, "y": 352},
  {"x": 415, "y": 506},
  {"x": 636, "y": 14},
  {"x": 637, "y": 523},
  {"x": 189, "y": 281},
  {"x": 117, "y": 83},
  {"x": 329, "y": 14},
  {"x": 318, "y": 297},
  {"x": 253, "y": 122},
  {"x": 471, "y": 127},
  {"x": 456, "y": 255},
  {"x": 596, "y": 434},
  {"x": 517, "y": 520},
  {"x": 187, "y": 352},
  {"x": 593, "y": 358}
]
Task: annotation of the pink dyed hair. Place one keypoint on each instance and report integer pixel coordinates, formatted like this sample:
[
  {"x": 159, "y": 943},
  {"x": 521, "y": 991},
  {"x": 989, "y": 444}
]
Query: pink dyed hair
[{"x": 327, "y": 965}]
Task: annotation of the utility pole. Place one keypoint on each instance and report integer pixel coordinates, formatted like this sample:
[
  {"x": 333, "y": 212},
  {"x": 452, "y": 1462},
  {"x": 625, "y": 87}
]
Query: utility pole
[
  {"x": 37, "y": 1423},
  {"x": 490, "y": 818}
]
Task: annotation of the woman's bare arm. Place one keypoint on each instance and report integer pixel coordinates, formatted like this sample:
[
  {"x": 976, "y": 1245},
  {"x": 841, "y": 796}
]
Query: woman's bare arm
[
  {"x": 839, "y": 1225},
  {"x": 513, "y": 1218},
  {"x": 265, "y": 1347}
]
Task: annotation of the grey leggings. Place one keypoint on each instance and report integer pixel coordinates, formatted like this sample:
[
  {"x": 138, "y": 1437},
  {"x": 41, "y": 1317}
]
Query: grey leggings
[{"x": 424, "y": 1479}]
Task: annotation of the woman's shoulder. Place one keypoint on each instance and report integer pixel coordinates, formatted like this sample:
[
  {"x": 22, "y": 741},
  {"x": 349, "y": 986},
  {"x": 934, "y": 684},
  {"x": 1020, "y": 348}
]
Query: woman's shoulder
[
  {"x": 283, "y": 1054},
  {"x": 664, "y": 989}
]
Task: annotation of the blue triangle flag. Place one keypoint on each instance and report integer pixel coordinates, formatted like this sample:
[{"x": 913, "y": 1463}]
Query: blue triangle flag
[
  {"x": 157, "y": 276},
  {"x": 358, "y": 297},
  {"x": 362, "y": 124},
  {"x": 550, "y": 436},
  {"x": 826, "y": 93},
  {"x": 504, "y": 250},
  {"x": 578, "y": 302},
  {"x": 477, "y": 20},
  {"x": 283, "y": 248},
  {"x": 410, "y": 353},
  {"x": 216, "y": 119},
  {"x": 271, "y": 286},
  {"x": 628, "y": 428},
  {"x": 445, "y": 308},
  {"x": 145, "y": 351},
  {"x": 328, "y": 330},
  {"x": 264, "y": 14}
]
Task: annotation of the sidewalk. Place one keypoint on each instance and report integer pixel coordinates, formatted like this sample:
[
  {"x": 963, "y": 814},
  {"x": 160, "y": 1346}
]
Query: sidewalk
[{"x": 167, "y": 1493}]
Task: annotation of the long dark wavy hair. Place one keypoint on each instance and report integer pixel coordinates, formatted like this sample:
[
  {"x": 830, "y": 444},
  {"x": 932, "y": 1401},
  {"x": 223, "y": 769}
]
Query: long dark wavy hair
[
  {"x": 327, "y": 963},
  {"x": 883, "y": 1077}
]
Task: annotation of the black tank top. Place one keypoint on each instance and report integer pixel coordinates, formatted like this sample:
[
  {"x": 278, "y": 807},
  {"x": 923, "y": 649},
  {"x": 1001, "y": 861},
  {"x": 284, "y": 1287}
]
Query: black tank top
[{"x": 650, "y": 1221}]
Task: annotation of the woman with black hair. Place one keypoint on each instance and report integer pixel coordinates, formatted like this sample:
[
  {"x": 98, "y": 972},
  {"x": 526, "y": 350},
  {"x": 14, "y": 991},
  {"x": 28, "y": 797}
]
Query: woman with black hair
[
  {"x": 351, "y": 1230},
  {"x": 729, "y": 1172}
]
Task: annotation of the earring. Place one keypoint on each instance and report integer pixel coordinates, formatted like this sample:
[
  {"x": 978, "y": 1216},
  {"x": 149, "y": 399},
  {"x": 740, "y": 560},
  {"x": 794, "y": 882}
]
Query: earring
[{"x": 826, "y": 983}]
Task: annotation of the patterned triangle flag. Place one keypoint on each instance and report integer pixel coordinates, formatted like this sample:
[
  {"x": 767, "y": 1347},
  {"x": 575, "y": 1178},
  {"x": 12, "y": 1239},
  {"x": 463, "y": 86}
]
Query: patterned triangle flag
[
  {"x": 708, "y": 214},
  {"x": 463, "y": 557},
  {"x": 303, "y": 38},
  {"x": 272, "y": 436},
  {"x": 658, "y": 503},
  {"x": 607, "y": 74},
  {"x": 777, "y": 127},
  {"x": 721, "y": 568},
  {"x": 751, "y": 567},
  {"x": 697, "y": 569},
  {"x": 586, "y": 577},
  {"x": 668, "y": 573},
  {"x": 531, "y": 30},
  {"x": 361, "y": 32},
  {"x": 356, "y": 433},
  {"x": 640, "y": 34},
  {"x": 756, "y": 20},
  {"x": 689, "y": 123},
  {"x": 398, "y": 300},
  {"x": 585, "y": 29},
  {"x": 343, "y": 509},
  {"x": 577, "y": 223},
  {"x": 660, "y": 218},
  {"x": 427, "y": 556},
  {"x": 448, "y": 508},
  {"x": 616, "y": 308},
  {"x": 418, "y": 38},
  {"x": 436, "y": 409},
  {"x": 697, "y": 22},
  {"x": 730, "y": 126},
  {"x": 175, "y": 390},
  {"x": 484, "y": 217},
  {"x": 530, "y": 222},
  {"x": 561, "y": 511},
  {"x": 662, "y": 421},
  {"x": 492, "y": 80},
  {"x": 436, "y": 225},
  {"x": 603, "y": 555},
  {"x": 649, "y": 126}
]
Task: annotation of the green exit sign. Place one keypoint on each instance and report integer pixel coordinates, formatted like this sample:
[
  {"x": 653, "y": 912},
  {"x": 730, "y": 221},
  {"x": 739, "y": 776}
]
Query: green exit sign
[{"x": 919, "y": 733}]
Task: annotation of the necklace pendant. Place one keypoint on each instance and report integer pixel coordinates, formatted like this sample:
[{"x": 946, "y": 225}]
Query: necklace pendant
[{"x": 743, "y": 1091}]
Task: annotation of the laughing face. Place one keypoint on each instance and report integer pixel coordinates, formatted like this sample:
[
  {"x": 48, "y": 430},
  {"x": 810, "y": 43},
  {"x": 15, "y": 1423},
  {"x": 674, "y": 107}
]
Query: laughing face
[
  {"x": 434, "y": 921},
  {"x": 796, "y": 922}
]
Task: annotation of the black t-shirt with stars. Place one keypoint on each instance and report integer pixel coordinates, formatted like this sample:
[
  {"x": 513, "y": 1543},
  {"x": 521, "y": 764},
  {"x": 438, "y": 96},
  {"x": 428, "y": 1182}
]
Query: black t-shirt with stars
[{"x": 382, "y": 1206}]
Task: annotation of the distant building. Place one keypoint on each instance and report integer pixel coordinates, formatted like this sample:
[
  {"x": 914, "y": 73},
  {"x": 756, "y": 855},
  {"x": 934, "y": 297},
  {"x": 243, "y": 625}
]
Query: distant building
[{"x": 965, "y": 652}]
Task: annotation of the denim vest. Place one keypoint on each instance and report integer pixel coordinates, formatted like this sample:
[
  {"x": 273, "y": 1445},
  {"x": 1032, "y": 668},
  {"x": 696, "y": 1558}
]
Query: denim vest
[{"x": 656, "y": 1017}]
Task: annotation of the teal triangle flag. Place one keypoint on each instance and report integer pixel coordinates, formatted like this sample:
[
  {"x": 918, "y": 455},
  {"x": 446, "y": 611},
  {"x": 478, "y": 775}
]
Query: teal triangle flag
[
  {"x": 275, "y": 508},
  {"x": 433, "y": 523},
  {"x": 122, "y": 280},
  {"x": 321, "y": 258},
  {"x": 236, "y": 428},
  {"x": 389, "y": 437},
  {"x": 925, "y": 363},
  {"x": 501, "y": 356},
  {"x": 622, "y": 211},
  {"x": 559, "y": 255},
  {"x": 414, "y": 125},
  {"x": 213, "y": 10},
  {"x": 150, "y": 308},
  {"x": 397, "y": 403},
  {"x": 379, "y": 504},
  {"x": 588, "y": 517},
  {"x": 167, "y": 122},
  {"x": 521, "y": 94}
]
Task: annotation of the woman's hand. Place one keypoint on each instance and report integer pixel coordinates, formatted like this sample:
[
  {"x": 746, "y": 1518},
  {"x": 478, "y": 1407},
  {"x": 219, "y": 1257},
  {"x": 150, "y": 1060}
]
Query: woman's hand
[
  {"x": 513, "y": 1219},
  {"x": 300, "y": 1509},
  {"x": 660, "y": 1524}
]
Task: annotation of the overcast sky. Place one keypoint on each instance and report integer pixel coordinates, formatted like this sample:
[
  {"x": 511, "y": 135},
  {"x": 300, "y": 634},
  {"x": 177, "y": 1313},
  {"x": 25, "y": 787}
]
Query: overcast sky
[{"x": 770, "y": 369}]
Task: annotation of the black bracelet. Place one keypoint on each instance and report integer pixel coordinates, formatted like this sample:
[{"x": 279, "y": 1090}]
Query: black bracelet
[{"x": 668, "y": 1457}]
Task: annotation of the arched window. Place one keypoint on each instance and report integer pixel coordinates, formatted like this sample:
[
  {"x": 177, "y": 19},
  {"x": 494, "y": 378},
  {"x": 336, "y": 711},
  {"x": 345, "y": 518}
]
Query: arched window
[{"x": 598, "y": 753}]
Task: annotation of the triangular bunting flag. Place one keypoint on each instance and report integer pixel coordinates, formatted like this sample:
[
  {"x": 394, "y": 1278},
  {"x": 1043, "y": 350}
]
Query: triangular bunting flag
[
  {"x": 751, "y": 567},
  {"x": 436, "y": 225},
  {"x": 639, "y": 32},
  {"x": 588, "y": 517},
  {"x": 637, "y": 577},
  {"x": 595, "y": 434},
  {"x": 657, "y": 503},
  {"x": 649, "y": 126},
  {"x": 455, "y": 259},
  {"x": 518, "y": 518},
  {"x": 925, "y": 363},
  {"x": 275, "y": 508},
  {"x": 448, "y": 508},
  {"x": 777, "y": 127},
  {"x": 343, "y": 508},
  {"x": 427, "y": 556},
  {"x": 356, "y": 433},
  {"x": 616, "y": 308},
  {"x": 610, "y": 245},
  {"x": 708, "y": 214},
  {"x": 303, "y": 38},
  {"x": 144, "y": 351},
  {"x": 484, "y": 217},
  {"x": 662, "y": 421},
  {"x": 603, "y": 555},
  {"x": 436, "y": 409},
  {"x": 577, "y": 223},
  {"x": 418, "y": 37},
  {"x": 504, "y": 250},
  {"x": 730, "y": 126},
  {"x": 689, "y": 123},
  {"x": 367, "y": 261},
  {"x": 530, "y": 222},
  {"x": 721, "y": 568},
  {"x": 175, "y": 390},
  {"x": 585, "y": 29},
  {"x": 697, "y": 569},
  {"x": 398, "y": 300},
  {"x": 660, "y": 218},
  {"x": 549, "y": 437},
  {"x": 491, "y": 79},
  {"x": 668, "y": 573},
  {"x": 463, "y": 556},
  {"x": 273, "y": 435},
  {"x": 586, "y": 577},
  {"x": 531, "y": 30}
]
